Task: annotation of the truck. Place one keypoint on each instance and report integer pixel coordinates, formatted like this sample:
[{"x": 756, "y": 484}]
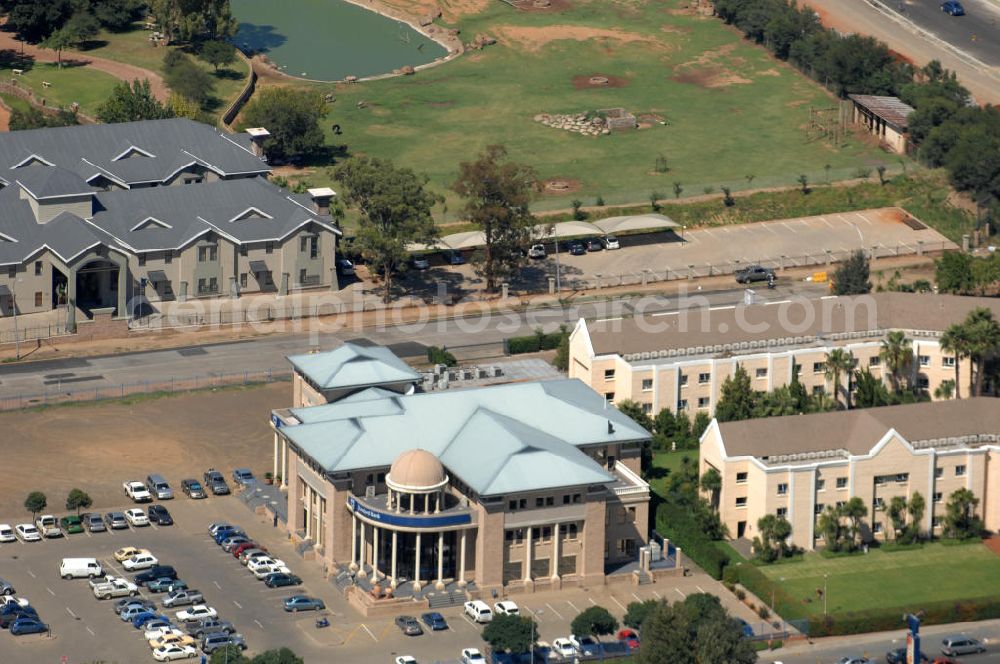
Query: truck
[
  {"x": 113, "y": 586},
  {"x": 183, "y": 598},
  {"x": 137, "y": 492},
  {"x": 48, "y": 526}
]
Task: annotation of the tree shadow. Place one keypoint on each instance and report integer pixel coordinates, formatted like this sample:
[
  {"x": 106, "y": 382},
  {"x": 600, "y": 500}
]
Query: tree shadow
[
  {"x": 91, "y": 44},
  {"x": 435, "y": 283},
  {"x": 11, "y": 59},
  {"x": 252, "y": 38},
  {"x": 229, "y": 74}
]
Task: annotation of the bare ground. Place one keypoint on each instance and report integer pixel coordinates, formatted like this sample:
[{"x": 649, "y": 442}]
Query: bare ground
[{"x": 533, "y": 39}]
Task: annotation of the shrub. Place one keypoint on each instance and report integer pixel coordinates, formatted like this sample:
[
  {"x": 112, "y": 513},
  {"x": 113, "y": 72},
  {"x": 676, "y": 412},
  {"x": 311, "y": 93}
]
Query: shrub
[
  {"x": 740, "y": 594},
  {"x": 763, "y": 612},
  {"x": 677, "y": 523},
  {"x": 437, "y": 355},
  {"x": 536, "y": 342}
]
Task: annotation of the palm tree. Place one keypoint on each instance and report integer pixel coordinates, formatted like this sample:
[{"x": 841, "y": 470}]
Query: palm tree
[
  {"x": 896, "y": 352},
  {"x": 984, "y": 341},
  {"x": 840, "y": 361},
  {"x": 946, "y": 390},
  {"x": 955, "y": 340}
]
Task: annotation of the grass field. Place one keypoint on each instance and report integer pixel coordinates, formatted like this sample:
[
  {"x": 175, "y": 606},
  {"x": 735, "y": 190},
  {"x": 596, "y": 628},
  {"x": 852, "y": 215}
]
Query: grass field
[
  {"x": 665, "y": 463},
  {"x": 83, "y": 85},
  {"x": 880, "y": 579},
  {"x": 729, "y": 110}
]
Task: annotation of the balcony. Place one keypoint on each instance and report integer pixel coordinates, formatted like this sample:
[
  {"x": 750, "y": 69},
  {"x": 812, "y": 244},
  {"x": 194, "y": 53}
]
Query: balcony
[
  {"x": 627, "y": 483},
  {"x": 375, "y": 509},
  {"x": 309, "y": 280}
]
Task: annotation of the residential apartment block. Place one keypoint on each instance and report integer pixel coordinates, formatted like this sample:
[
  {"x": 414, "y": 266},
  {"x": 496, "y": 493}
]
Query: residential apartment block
[
  {"x": 798, "y": 465},
  {"x": 120, "y": 215},
  {"x": 680, "y": 360},
  {"x": 522, "y": 486}
]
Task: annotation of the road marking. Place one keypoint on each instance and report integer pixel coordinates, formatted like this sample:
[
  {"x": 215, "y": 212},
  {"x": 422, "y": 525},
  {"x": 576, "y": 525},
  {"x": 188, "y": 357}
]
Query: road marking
[
  {"x": 637, "y": 598},
  {"x": 238, "y": 605},
  {"x": 50, "y": 591},
  {"x": 865, "y": 219},
  {"x": 91, "y": 632},
  {"x": 365, "y": 627},
  {"x": 573, "y": 605},
  {"x": 657, "y": 595},
  {"x": 620, "y": 605},
  {"x": 258, "y": 623},
  {"x": 70, "y": 612},
  {"x": 32, "y": 574},
  {"x": 468, "y": 620},
  {"x": 680, "y": 592},
  {"x": 551, "y": 608},
  {"x": 592, "y": 602},
  {"x": 700, "y": 590},
  {"x": 217, "y": 585}
]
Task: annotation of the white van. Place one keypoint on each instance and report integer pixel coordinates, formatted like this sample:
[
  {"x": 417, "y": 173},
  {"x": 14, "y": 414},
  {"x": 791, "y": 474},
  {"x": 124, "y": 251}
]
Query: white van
[
  {"x": 76, "y": 568},
  {"x": 479, "y": 611}
]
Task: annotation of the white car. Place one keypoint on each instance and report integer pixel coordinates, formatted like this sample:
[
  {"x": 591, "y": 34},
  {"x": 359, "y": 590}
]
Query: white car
[
  {"x": 136, "y": 517},
  {"x": 161, "y": 631},
  {"x": 140, "y": 561},
  {"x": 405, "y": 659},
  {"x": 506, "y": 608},
  {"x": 264, "y": 571},
  {"x": 10, "y": 599},
  {"x": 172, "y": 651},
  {"x": 7, "y": 533},
  {"x": 479, "y": 611},
  {"x": 264, "y": 561},
  {"x": 137, "y": 491},
  {"x": 27, "y": 532},
  {"x": 472, "y": 656},
  {"x": 196, "y": 612},
  {"x": 611, "y": 242},
  {"x": 536, "y": 251},
  {"x": 564, "y": 647},
  {"x": 585, "y": 645}
]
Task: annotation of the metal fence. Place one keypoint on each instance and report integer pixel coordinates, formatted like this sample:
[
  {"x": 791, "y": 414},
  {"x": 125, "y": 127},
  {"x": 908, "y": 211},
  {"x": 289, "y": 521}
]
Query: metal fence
[
  {"x": 35, "y": 333},
  {"x": 70, "y": 393},
  {"x": 240, "y": 316}
]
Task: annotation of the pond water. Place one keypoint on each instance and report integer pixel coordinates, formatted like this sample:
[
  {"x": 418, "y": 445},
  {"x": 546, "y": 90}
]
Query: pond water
[{"x": 328, "y": 40}]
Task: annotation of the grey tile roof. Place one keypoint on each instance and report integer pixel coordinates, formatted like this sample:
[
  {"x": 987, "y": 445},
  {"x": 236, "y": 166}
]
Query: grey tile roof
[
  {"x": 352, "y": 366},
  {"x": 50, "y": 182},
  {"x": 890, "y": 109},
  {"x": 147, "y": 151},
  {"x": 498, "y": 439}
]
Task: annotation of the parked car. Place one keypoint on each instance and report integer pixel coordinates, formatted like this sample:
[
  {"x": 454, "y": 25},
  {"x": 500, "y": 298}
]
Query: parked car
[
  {"x": 28, "y": 625},
  {"x": 48, "y": 526},
  {"x": 212, "y": 642},
  {"x": 611, "y": 242},
  {"x": 159, "y": 515},
  {"x": 753, "y": 273},
  {"x": 478, "y": 610},
  {"x": 157, "y": 572},
  {"x": 345, "y": 267},
  {"x": 137, "y": 491},
  {"x": 595, "y": 244},
  {"x": 297, "y": 603},
  {"x": 629, "y": 637},
  {"x": 537, "y": 251},
  {"x": 165, "y": 585},
  {"x": 564, "y": 648},
  {"x": 264, "y": 561},
  {"x": 472, "y": 656},
  {"x": 434, "y": 620},
  {"x": 27, "y": 532},
  {"x": 506, "y": 608},
  {"x": 252, "y": 554},
  {"x": 136, "y": 517},
  {"x": 140, "y": 562},
  {"x": 127, "y": 552},
  {"x": 243, "y": 477},
  {"x": 129, "y": 602},
  {"x": 405, "y": 659},
  {"x": 71, "y": 524},
  {"x": 576, "y": 248},
  {"x": 78, "y": 568},
  {"x": 180, "y": 638},
  {"x": 116, "y": 520},
  {"x": 196, "y": 612},
  {"x": 112, "y": 586},
  {"x": 173, "y": 651},
  {"x": 158, "y": 628},
  {"x": 225, "y": 533},
  {"x": 10, "y": 599},
  {"x": 215, "y": 482},
  {"x": 193, "y": 489},
  {"x": 141, "y": 620},
  {"x": 183, "y": 598},
  {"x": 210, "y": 626},
  {"x": 586, "y": 645},
  {"x": 234, "y": 541},
  {"x": 281, "y": 579},
  {"x": 953, "y": 8},
  {"x": 408, "y": 625},
  {"x": 855, "y": 660},
  {"x": 11, "y": 612},
  {"x": 158, "y": 486},
  {"x": 419, "y": 262},
  {"x": 961, "y": 645},
  {"x": 7, "y": 533},
  {"x": 129, "y": 613},
  {"x": 216, "y": 526},
  {"x": 453, "y": 257},
  {"x": 243, "y": 547},
  {"x": 94, "y": 523},
  {"x": 898, "y": 656},
  {"x": 7, "y": 588}
]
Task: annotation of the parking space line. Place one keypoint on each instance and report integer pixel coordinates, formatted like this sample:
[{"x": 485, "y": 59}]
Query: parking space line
[
  {"x": 551, "y": 608},
  {"x": 217, "y": 585},
  {"x": 700, "y": 589},
  {"x": 238, "y": 605},
  {"x": 573, "y": 605},
  {"x": 785, "y": 224},
  {"x": 70, "y": 612},
  {"x": 657, "y": 595},
  {"x": 637, "y": 598},
  {"x": 592, "y": 602},
  {"x": 365, "y": 627},
  {"x": 90, "y": 631},
  {"x": 680, "y": 592},
  {"x": 620, "y": 605},
  {"x": 258, "y": 623},
  {"x": 50, "y": 591},
  {"x": 825, "y": 221},
  {"x": 32, "y": 574},
  {"x": 865, "y": 218}
]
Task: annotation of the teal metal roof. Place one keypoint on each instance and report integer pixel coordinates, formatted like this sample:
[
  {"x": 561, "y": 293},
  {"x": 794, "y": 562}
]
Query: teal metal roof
[
  {"x": 496, "y": 439},
  {"x": 351, "y": 365}
]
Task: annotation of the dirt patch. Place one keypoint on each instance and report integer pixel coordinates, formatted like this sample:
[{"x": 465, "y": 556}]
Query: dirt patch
[
  {"x": 534, "y": 39},
  {"x": 769, "y": 72},
  {"x": 451, "y": 10},
  {"x": 710, "y": 77},
  {"x": 796, "y": 103},
  {"x": 710, "y": 56},
  {"x": 441, "y": 104},
  {"x": 993, "y": 544},
  {"x": 560, "y": 186},
  {"x": 543, "y": 6},
  {"x": 4, "y": 118},
  {"x": 598, "y": 81}
]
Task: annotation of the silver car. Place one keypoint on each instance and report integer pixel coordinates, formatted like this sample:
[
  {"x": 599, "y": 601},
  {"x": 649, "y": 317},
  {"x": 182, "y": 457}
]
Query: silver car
[{"x": 961, "y": 645}]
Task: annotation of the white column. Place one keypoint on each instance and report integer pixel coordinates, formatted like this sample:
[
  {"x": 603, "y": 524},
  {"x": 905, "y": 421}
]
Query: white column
[
  {"x": 440, "y": 581},
  {"x": 461, "y": 559},
  {"x": 284, "y": 462},
  {"x": 276, "y": 448},
  {"x": 394, "y": 539},
  {"x": 527, "y": 556},
  {"x": 416, "y": 569},
  {"x": 375, "y": 552},
  {"x": 364, "y": 546},
  {"x": 354, "y": 542},
  {"x": 554, "y": 561}
]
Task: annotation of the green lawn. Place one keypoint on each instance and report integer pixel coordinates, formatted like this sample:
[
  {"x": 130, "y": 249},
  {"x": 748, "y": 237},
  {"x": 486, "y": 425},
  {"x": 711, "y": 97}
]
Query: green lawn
[
  {"x": 933, "y": 573},
  {"x": 83, "y": 85},
  {"x": 730, "y": 109},
  {"x": 665, "y": 463}
]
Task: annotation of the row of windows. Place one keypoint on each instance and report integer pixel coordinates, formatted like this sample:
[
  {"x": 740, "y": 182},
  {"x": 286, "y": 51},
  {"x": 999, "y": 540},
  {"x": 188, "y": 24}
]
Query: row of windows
[
  {"x": 782, "y": 488},
  {"x": 540, "y": 533},
  {"x": 544, "y": 501}
]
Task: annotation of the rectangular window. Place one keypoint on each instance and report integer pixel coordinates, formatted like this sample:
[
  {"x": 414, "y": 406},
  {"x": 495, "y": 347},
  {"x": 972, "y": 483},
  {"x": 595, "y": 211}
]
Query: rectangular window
[
  {"x": 874, "y": 361},
  {"x": 647, "y": 384},
  {"x": 566, "y": 499},
  {"x": 925, "y": 360},
  {"x": 168, "y": 257},
  {"x": 546, "y": 533},
  {"x": 781, "y": 512},
  {"x": 571, "y": 531},
  {"x": 683, "y": 380},
  {"x": 511, "y": 505},
  {"x": 609, "y": 374},
  {"x": 877, "y": 527},
  {"x": 243, "y": 279},
  {"x": 313, "y": 247},
  {"x": 741, "y": 501},
  {"x": 704, "y": 378},
  {"x": 817, "y": 390},
  {"x": 960, "y": 470},
  {"x": 12, "y": 271},
  {"x": 38, "y": 268},
  {"x": 820, "y": 485},
  {"x": 841, "y": 482},
  {"x": 797, "y": 369},
  {"x": 682, "y": 404},
  {"x": 213, "y": 285},
  {"x": 703, "y": 402},
  {"x": 577, "y": 498},
  {"x": 782, "y": 489},
  {"x": 647, "y": 408},
  {"x": 761, "y": 373},
  {"x": 201, "y": 286},
  {"x": 539, "y": 502},
  {"x": 142, "y": 259},
  {"x": 609, "y": 397},
  {"x": 841, "y": 503},
  {"x": 38, "y": 299},
  {"x": 268, "y": 247},
  {"x": 741, "y": 478},
  {"x": 819, "y": 367},
  {"x": 948, "y": 362},
  {"x": 819, "y": 508},
  {"x": 630, "y": 515},
  {"x": 244, "y": 250},
  {"x": 935, "y": 522},
  {"x": 879, "y": 504},
  {"x": 938, "y": 473},
  {"x": 938, "y": 496}
]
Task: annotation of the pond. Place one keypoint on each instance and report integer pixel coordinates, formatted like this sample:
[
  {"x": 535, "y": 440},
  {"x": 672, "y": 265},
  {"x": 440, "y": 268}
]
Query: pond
[{"x": 328, "y": 40}]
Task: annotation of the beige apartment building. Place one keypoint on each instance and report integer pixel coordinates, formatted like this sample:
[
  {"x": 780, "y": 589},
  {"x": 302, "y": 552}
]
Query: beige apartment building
[
  {"x": 520, "y": 486},
  {"x": 124, "y": 216},
  {"x": 680, "y": 360},
  {"x": 798, "y": 465}
]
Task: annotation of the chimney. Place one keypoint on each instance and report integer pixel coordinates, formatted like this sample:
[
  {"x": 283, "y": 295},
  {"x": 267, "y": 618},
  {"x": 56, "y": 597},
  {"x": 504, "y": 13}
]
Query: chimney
[
  {"x": 257, "y": 137},
  {"x": 321, "y": 199}
]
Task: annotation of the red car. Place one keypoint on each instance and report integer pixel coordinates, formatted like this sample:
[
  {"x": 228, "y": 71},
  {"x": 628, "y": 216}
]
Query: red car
[
  {"x": 244, "y": 546},
  {"x": 629, "y": 637}
]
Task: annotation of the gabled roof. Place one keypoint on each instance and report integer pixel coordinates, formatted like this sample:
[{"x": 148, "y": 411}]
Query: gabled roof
[
  {"x": 353, "y": 366},
  {"x": 497, "y": 439},
  {"x": 51, "y": 182}
]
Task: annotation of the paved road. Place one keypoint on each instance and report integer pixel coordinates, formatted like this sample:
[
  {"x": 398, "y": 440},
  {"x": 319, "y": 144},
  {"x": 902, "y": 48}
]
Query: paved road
[
  {"x": 977, "y": 33},
  {"x": 261, "y": 354}
]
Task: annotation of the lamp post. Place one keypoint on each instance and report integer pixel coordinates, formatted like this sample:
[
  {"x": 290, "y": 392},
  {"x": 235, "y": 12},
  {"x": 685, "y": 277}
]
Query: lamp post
[{"x": 534, "y": 631}]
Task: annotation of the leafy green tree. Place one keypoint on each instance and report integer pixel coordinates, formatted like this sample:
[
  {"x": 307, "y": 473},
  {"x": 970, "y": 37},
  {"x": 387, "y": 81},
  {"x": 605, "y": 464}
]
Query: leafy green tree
[
  {"x": 35, "y": 502},
  {"x": 896, "y": 512},
  {"x": 58, "y": 41},
  {"x": 830, "y": 526},
  {"x": 595, "y": 621},
  {"x": 395, "y": 212},
  {"x": 711, "y": 483},
  {"x": 666, "y": 636},
  {"x": 840, "y": 362},
  {"x": 637, "y": 612},
  {"x": 561, "y": 360},
  {"x": 700, "y": 424},
  {"x": 217, "y": 53},
  {"x": 695, "y": 631},
  {"x": 189, "y": 20},
  {"x": 946, "y": 390},
  {"x": 32, "y": 118},
  {"x": 77, "y": 500},
  {"x": 852, "y": 277},
  {"x": 855, "y": 510},
  {"x": 772, "y": 541},
  {"x": 678, "y": 189},
  {"x": 82, "y": 26},
  {"x": 578, "y": 213},
  {"x": 129, "y": 103},
  {"x": 803, "y": 181},
  {"x": 869, "y": 391},
  {"x": 292, "y": 116},
  {"x": 116, "y": 15},
  {"x": 722, "y": 642},
  {"x": 983, "y": 333},
  {"x": 955, "y": 340},
  {"x": 634, "y": 411},
  {"x": 737, "y": 400},
  {"x": 497, "y": 194},
  {"x": 186, "y": 78},
  {"x": 896, "y": 353},
  {"x": 514, "y": 634},
  {"x": 279, "y": 656},
  {"x": 228, "y": 654},
  {"x": 961, "y": 521},
  {"x": 916, "y": 508},
  {"x": 33, "y": 21}
]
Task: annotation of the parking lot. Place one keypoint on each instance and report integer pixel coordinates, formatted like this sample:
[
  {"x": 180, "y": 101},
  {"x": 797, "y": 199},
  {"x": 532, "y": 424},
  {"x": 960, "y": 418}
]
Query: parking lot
[{"x": 85, "y": 629}]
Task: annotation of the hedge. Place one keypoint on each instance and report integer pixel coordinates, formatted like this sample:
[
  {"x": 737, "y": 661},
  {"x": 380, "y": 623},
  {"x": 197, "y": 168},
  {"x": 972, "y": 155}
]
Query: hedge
[
  {"x": 533, "y": 343},
  {"x": 677, "y": 524}
]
